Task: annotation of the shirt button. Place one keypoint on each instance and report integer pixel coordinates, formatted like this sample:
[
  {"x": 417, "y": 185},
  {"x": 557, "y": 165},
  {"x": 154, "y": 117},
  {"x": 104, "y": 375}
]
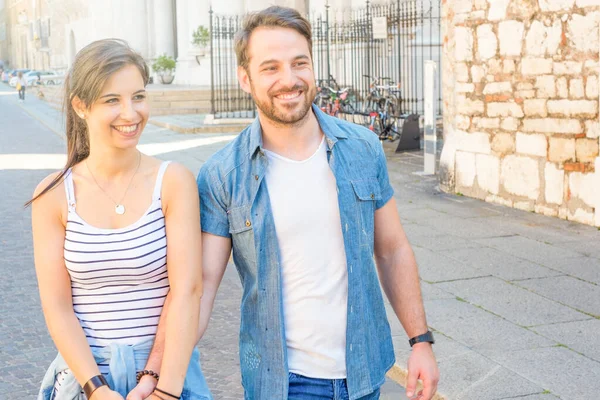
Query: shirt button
[
  {"x": 372, "y": 196},
  {"x": 256, "y": 177},
  {"x": 248, "y": 223}
]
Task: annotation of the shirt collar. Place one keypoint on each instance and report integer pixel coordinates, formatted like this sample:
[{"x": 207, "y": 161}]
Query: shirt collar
[{"x": 331, "y": 130}]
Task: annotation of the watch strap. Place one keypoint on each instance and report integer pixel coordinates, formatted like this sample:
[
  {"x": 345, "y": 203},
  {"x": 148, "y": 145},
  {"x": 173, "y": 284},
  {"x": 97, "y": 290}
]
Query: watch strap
[{"x": 426, "y": 337}]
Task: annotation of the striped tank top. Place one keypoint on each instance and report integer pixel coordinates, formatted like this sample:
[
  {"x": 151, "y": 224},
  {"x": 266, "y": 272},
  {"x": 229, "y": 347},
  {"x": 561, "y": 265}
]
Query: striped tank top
[{"x": 119, "y": 276}]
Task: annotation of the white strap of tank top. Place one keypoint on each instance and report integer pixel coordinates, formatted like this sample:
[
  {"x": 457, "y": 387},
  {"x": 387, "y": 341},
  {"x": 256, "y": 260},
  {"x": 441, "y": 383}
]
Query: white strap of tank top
[
  {"x": 68, "y": 179},
  {"x": 159, "y": 179}
]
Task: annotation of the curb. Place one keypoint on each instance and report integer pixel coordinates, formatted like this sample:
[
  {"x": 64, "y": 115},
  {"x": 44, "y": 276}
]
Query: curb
[
  {"x": 217, "y": 128},
  {"x": 400, "y": 375}
]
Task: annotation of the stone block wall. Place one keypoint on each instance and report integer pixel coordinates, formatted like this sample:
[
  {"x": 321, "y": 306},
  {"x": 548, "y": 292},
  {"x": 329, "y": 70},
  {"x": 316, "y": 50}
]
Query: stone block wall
[{"x": 520, "y": 88}]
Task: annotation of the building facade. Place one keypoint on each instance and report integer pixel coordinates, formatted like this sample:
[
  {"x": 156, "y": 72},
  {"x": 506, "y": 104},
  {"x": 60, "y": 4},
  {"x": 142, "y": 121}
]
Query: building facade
[
  {"x": 520, "y": 90},
  {"x": 46, "y": 34}
]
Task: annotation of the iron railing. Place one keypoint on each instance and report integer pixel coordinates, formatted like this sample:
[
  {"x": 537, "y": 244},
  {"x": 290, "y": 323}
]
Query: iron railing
[{"x": 345, "y": 47}]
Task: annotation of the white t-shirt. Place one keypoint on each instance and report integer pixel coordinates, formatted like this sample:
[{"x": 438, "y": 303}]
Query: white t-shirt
[{"x": 305, "y": 208}]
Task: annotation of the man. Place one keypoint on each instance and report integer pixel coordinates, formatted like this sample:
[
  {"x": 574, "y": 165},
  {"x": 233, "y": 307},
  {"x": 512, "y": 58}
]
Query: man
[{"x": 304, "y": 201}]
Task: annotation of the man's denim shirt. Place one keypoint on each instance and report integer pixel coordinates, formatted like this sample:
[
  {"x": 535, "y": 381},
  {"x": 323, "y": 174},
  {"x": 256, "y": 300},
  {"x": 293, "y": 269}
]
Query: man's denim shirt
[{"x": 235, "y": 204}]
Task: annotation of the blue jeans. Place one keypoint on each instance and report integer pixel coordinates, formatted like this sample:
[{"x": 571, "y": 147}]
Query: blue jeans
[{"x": 303, "y": 388}]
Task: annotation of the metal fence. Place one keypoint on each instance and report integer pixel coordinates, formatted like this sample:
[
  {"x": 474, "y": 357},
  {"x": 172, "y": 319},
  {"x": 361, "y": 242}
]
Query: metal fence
[{"x": 390, "y": 40}]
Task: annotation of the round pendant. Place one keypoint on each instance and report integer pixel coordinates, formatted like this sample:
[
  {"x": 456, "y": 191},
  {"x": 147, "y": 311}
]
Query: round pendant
[{"x": 120, "y": 209}]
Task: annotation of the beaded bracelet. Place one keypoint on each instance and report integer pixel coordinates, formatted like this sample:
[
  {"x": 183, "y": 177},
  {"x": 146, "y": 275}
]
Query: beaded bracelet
[{"x": 139, "y": 375}]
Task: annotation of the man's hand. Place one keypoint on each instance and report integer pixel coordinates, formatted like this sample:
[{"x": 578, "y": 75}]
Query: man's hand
[
  {"x": 422, "y": 365},
  {"x": 144, "y": 389}
]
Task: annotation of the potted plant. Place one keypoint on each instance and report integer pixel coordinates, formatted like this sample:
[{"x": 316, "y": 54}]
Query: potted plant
[
  {"x": 164, "y": 66},
  {"x": 200, "y": 39}
]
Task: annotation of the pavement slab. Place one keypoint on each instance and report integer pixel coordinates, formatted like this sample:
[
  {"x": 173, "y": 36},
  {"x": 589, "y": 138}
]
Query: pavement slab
[
  {"x": 511, "y": 302},
  {"x": 562, "y": 371}
]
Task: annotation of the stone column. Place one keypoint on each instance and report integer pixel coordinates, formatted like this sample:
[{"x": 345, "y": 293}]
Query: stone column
[{"x": 163, "y": 33}]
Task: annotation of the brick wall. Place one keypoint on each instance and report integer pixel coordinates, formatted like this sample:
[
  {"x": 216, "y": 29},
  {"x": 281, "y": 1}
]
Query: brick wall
[{"x": 520, "y": 87}]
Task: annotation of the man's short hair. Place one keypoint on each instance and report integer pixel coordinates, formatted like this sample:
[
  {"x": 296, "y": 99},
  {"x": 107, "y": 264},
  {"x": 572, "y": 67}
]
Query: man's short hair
[{"x": 274, "y": 16}]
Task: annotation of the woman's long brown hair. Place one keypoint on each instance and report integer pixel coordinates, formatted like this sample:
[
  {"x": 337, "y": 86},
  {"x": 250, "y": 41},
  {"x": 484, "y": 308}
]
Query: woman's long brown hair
[{"x": 92, "y": 67}]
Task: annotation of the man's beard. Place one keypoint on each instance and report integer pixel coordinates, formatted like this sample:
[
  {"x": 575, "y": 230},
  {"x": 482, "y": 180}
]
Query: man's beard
[{"x": 280, "y": 115}]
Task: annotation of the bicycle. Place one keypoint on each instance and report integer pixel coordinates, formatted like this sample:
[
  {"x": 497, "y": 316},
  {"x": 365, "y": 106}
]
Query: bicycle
[{"x": 381, "y": 107}]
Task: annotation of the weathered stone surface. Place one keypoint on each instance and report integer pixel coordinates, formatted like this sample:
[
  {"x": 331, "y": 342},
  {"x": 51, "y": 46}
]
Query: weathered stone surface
[
  {"x": 467, "y": 106},
  {"x": 586, "y": 3},
  {"x": 536, "y": 66},
  {"x": 464, "y": 88},
  {"x": 532, "y": 144},
  {"x": 535, "y": 108},
  {"x": 504, "y": 110},
  {"x": 591, "y": 87},
  {"x": 462, "y": 122},
  {"x": 556, "y": 5},
  {"x": 498, "y": 87},
  {"x": 486, "y": 123},
  {"x": 478, "y": 73},
  {"x": 461, "y": 72},
  {"x": 525, "y": 94},
  {"x": 503, "y": 143},
  {"x": 497, "y": 11},
  {"x": 580, "y": 215},
  {"x": 586, "y": 186},
  {"x": 520, "y": 176},
  {"x": 567, "y": 68},
  {"x": 510, "y": 34},
  {"x": 463, "y": 47},
  {"x": 495, "y": 66},
  {"x": 562, "y": 87},
  {"x": 576, "y": 88},
  {"x": 528, "y": 206},
  {"x": 555, "y": 184},
  {"x": 476, "y": 142},
  {"x": 542, "y": 40},
  {"x": 552, "y": 125},
  {"x": 488, "y": 172},
  {"x": 586, "y": 150},
  {"x": 546, "y": 86},
  {"x": 510, "y": 124},
  {"x": 571, "y": 108},
  {"x": 487, "y": 43},
  {"x": 547, "y": 211},
  {"x": 465, "y": 169},
  {"x": 592, "y": 129},
  {"x": 509, "y": 66},
  {"x": 582, "y": 31},
  {"x": 561, "y": 149},
  {"x": 463, "y": 6}
]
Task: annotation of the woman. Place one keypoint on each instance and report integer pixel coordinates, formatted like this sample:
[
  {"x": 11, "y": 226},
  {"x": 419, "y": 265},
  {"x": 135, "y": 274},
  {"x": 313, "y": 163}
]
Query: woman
[
  {"x": 100, "y": 230},
  {"x": 20, "y": 86}
]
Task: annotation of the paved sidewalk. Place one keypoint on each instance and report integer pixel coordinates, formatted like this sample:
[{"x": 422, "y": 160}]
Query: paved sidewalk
[{"x": 513, "y": 296}]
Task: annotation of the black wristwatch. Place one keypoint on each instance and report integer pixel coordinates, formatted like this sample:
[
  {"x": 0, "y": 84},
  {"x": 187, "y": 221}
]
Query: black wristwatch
[{"x": 426, "y": 337}]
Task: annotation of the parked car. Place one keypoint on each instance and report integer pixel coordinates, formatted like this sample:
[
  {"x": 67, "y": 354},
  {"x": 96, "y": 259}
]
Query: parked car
[
  {"x": 41, "y": 77},
  {"x": 6, "y": 75},
  {"x": 34, "y": 78}
]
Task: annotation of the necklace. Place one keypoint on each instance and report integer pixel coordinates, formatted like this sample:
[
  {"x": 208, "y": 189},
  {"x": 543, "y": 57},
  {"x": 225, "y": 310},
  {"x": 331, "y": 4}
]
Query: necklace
[{"x": 119, "y": 208}]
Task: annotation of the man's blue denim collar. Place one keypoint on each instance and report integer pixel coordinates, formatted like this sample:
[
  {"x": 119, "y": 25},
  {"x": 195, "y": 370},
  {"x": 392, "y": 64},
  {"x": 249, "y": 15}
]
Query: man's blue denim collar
[{"x": 332, "y": 132}]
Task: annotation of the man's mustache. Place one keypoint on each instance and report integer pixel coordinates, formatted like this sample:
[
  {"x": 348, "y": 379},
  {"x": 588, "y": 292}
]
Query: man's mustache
[{"x": 294, "y": 88}]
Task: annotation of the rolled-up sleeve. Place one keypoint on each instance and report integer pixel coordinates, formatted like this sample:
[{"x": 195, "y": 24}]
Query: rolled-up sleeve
[
  {"x": 213, "y": 209},
  {"x": 387, "y": 191}
]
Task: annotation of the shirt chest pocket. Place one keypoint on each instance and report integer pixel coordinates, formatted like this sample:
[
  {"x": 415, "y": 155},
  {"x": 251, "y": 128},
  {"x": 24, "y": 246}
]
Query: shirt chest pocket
[
  {"x": 242, "y": 234},
  {"x": 367, "y": 193}
]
